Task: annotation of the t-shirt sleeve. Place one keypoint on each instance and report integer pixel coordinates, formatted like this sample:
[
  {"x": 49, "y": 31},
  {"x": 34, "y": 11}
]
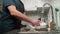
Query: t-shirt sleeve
[{"x": 8, "y": 3}]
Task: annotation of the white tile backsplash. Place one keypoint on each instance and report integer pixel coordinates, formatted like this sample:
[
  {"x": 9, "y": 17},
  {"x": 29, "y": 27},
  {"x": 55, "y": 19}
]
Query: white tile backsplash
[{"x": 33, "y": 4}]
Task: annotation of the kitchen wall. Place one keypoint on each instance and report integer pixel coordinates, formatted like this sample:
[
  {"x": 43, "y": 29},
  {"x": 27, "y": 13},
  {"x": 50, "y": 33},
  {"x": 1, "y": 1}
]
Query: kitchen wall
[
  {"x": 29, "y": 4},
  {"x": 33, "y": 4}
]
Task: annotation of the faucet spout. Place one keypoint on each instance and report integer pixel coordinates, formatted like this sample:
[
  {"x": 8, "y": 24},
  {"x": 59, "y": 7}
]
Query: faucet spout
[{"x": 53, "y": 26}]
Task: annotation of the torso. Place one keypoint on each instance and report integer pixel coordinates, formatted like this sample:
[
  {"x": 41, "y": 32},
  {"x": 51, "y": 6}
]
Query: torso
[{"x": 7, "y": 21}]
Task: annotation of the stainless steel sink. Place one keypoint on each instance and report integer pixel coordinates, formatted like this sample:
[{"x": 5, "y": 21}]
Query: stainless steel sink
[{"x": 40, "y": 32}]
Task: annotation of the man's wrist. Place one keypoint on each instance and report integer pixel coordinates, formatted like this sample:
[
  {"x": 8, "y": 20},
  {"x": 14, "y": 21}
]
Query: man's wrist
[{"x": 31, "y": 20}]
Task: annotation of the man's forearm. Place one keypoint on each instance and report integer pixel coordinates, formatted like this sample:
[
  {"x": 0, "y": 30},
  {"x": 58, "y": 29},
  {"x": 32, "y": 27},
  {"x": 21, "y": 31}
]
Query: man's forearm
[
  {"x": 14, "y": 12},
  {"x": 21, "y": 16}
]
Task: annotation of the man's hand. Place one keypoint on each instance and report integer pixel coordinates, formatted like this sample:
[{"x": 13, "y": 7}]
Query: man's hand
[{"x": 36, "y": 22}]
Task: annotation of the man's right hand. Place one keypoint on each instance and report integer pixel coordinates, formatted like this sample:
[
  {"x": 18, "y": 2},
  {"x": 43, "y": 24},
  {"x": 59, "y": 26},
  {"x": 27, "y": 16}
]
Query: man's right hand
[{"x": 36, "y": 22}]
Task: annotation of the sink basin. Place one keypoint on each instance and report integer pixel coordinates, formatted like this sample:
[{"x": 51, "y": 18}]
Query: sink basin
[{"x": 41, "y": 31}]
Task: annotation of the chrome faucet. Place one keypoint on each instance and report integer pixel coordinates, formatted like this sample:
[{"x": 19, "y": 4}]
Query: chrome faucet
[{"x": 53, "y": 27}]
